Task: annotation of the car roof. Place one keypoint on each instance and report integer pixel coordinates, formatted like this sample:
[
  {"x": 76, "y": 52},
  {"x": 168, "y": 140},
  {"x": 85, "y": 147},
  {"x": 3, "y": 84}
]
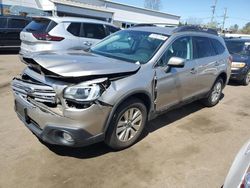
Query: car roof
[
  {"x": 74, "y": 19},
  {"x": 169, "y": 30}
]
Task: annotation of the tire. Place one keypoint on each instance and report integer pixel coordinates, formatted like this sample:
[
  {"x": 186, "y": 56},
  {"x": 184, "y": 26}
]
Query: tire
[
  {"x": 214, "y": 94},
  {"x": 123, "y": 132},
  {"x": 246, "y": 80}
]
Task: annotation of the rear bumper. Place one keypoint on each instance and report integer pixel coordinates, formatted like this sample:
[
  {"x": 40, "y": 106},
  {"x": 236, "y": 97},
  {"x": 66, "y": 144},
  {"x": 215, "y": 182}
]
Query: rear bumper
[{"x": 239, "y": 74}]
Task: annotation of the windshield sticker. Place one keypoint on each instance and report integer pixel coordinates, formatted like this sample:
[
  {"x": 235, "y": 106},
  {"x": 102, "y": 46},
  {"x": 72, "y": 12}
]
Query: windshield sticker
[{"x": 157, "y": 36}]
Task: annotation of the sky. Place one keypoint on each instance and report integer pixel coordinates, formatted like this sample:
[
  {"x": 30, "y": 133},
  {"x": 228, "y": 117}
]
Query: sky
[{"x": 238, "y": 11}]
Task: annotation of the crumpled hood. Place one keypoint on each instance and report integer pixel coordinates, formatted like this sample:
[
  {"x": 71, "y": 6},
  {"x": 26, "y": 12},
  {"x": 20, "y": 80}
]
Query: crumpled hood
[{"x": 75, "y": 64}]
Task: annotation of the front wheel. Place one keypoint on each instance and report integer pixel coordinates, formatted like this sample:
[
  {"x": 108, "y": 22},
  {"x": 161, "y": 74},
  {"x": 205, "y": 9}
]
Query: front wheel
[
  {"x": 246, "y": 79},
  {"x": 215, "y": 94},
  {"x": 127, "y": 124}
]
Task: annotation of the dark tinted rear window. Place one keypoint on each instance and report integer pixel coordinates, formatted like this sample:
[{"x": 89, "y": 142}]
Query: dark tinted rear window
[
  {"x": 40, "y": 25},
  {"x": 95, "y": 31},
  {"x": 203, "y": 47},
  {"x": 16, "y": 23},
  {"x": 219, "y": 48},
  {"x": 238, "y": 47},
  {"x": 3, "y": 22},
  {"x": 74, "y": 29}
]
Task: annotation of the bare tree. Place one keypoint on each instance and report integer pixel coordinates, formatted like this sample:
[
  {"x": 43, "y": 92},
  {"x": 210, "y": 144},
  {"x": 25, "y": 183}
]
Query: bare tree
[{"x": 152, "y": 4}]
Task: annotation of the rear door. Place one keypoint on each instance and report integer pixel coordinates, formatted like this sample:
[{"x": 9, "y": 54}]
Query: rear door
[
  {"x": 15, "y": 26},
  {"x": 74, "y": 40},
  {"x": 3, "y": 25},
  {"x": 91, "y": 33},
  {"x": 207, "y": 62},
  {"x": 111, "y": 29}
]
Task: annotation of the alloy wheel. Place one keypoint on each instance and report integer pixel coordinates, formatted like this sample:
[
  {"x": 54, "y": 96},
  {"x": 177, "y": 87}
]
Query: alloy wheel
[
  {"x": 216, "y": 93},
  {"x": 129, "y": 124}
]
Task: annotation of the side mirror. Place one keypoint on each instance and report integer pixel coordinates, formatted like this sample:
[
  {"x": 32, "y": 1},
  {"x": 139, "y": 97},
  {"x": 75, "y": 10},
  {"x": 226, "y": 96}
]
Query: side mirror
[{"x": 176, "y": 62}]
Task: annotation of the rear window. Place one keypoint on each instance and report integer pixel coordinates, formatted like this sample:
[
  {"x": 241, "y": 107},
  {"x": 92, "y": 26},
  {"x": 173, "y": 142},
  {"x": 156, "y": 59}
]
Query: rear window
[
  {"x": 238, "y": 47},
  {"x": 3, "y": 22},
  {"x": 203, "y": 47},
  {"x": 74, "y": 29},
  {"x": 95, "y": 31},
  {"x": 219, "y": 48},
  {"x": 16, "y": 23},
  {"x": 40, "y": 25}
]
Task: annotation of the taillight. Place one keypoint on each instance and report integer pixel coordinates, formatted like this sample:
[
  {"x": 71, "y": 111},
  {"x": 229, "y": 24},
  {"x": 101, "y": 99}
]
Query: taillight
[{"x": 47, "y": 37}]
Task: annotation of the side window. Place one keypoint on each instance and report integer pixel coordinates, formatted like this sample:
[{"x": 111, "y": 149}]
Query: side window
[
  {"x": 3, "y": 22},
  {"x": 219, "y": 48},
  {"x": 74, "y": 29},
  {"x": 16, "y": 23},
  {"x": 203, "y": 47},
  {"x": 95, "y": 31},
  {"x": 181, "y": 47},
  {"x": 112, "y": 29}
]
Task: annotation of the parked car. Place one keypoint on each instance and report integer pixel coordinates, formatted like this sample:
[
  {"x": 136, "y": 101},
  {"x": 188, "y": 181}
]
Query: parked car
[
  {"x": 239, "y": 173},
  {"x": 62, "y": 33},
  {"x": 10, "y": 28},
  {"x": 240, "y": 50},
  {"x": 110, "y": 92}
]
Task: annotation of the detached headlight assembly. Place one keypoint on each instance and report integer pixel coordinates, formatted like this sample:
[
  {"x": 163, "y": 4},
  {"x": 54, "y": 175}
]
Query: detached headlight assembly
[
  {"x": 86, "y": 91},
  {"x": 238, "y": 64}
]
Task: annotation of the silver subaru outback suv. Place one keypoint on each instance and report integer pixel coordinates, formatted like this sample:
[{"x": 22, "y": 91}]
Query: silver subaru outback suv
[{"x": 110, "y": 92}]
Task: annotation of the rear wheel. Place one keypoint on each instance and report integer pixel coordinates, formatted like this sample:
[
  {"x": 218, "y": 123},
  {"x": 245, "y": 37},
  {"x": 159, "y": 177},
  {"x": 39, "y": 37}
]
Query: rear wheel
[
  {"x": 246, "y": 79},
  {"x": 127, "y": 124},
  {"x": 215, "y": 94}
]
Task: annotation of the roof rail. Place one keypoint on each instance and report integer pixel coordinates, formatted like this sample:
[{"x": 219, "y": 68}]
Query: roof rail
[{"x": 195, "y": 29}]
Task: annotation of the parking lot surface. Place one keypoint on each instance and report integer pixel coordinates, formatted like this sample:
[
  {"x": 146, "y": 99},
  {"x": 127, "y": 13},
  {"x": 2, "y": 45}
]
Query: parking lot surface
[{"x": 191, "y": 147}]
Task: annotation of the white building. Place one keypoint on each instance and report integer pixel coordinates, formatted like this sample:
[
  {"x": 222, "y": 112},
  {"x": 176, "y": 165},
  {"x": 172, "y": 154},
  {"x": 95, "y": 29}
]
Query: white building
[{"x": 120, "y": 14}]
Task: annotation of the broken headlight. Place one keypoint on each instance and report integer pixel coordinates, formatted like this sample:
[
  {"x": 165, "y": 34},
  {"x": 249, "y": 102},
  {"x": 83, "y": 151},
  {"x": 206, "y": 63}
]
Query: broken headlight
[{"x": 85, "y": 92}]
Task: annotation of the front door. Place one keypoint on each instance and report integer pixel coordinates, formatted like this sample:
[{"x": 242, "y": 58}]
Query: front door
[{"x": 175, "y": 85}]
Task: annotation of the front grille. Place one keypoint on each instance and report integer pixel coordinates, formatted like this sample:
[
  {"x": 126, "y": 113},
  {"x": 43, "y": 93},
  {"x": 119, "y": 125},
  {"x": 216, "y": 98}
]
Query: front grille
[{"x": 34, "y": 90}]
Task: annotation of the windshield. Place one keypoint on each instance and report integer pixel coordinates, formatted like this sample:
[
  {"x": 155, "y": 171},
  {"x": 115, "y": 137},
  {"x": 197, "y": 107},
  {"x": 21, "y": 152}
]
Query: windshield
[
  {"x": 132, "y": 46},
  {"x": 238, "y": 47}
]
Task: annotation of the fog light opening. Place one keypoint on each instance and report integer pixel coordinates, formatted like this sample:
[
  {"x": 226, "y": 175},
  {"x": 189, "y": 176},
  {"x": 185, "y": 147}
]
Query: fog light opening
[{"x": 66, "y": 136}]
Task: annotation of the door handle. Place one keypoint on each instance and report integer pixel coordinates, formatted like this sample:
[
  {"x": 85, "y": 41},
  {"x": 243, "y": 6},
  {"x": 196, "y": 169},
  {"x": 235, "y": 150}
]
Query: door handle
[
  {"x": 87, "y": 43},
  {"x": 216, "y": 64},
  {"x": 193, "y": 71}
]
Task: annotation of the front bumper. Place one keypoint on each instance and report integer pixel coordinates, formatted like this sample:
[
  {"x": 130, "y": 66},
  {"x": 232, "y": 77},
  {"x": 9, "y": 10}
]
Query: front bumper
[
  {"x": 83, "y": 126},
  {"x": 239, "y": 74}
]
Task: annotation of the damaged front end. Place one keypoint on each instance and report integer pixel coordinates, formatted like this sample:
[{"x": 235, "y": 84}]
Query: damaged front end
[{"x": 62, "y": 110}]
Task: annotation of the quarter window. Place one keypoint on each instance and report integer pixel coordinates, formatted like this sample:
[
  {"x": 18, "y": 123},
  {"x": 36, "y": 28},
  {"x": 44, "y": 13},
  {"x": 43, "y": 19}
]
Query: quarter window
[
  {"x": 74, "y": 29},
  {"x": 95, "y": 31},
  {"x": 181, "y": 48},
  {"x": 219, "y": 48},
  {"x": 203, "y": 47}
]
